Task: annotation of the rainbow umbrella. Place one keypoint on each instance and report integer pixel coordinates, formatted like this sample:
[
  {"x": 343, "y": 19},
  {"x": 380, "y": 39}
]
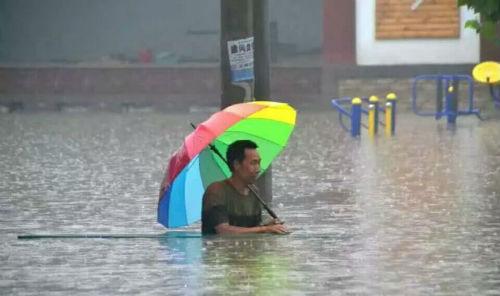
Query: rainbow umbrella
[{"x": 195, "y": 166}]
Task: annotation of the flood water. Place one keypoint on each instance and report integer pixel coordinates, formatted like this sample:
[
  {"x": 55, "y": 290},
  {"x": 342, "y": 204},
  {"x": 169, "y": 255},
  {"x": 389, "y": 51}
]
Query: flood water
[{"x": 416, "y": 214}]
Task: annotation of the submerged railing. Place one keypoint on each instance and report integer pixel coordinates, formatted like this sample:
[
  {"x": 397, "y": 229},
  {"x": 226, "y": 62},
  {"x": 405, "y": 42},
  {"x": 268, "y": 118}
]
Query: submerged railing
[
  {"x": 447, "y": 96},
  {"x": 371, "y": 111},
  {"x": 495, "y": 94}
]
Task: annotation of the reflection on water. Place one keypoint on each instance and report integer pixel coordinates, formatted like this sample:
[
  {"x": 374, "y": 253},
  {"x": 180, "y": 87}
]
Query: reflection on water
[
  {"x": 246, "y": 265},
  {"x": 415, "y": 214}
]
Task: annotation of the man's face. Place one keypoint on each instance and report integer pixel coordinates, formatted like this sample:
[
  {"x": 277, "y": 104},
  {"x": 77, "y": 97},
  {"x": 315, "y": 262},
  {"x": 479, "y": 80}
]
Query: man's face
[{"x": 249, "y": 168}]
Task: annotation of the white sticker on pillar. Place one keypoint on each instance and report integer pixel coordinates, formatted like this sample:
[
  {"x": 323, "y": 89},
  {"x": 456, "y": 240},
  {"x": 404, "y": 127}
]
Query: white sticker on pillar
[{"x": 241, "y": 59}]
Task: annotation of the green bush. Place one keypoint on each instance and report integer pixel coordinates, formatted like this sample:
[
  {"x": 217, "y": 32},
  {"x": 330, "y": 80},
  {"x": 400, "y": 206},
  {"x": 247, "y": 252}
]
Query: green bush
[{"x": 490, "y": 17}]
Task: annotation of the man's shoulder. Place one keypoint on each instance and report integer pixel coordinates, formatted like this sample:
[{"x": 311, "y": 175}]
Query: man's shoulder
[
  {"x": 214, "y": 194},
  {"x": 216, "y": 187}
]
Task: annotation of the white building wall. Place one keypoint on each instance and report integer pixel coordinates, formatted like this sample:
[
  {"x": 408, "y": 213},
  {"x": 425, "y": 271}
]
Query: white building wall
[{"x": 370, "y": 51}]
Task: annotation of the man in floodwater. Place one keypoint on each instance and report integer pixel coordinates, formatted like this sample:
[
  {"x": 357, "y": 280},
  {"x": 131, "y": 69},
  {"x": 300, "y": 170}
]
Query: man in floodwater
[{"x": 229, "y": 206}]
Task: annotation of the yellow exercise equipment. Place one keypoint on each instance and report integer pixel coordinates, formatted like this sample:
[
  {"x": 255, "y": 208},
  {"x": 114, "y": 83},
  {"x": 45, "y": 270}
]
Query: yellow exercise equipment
[{"x": 487, "y": 72}]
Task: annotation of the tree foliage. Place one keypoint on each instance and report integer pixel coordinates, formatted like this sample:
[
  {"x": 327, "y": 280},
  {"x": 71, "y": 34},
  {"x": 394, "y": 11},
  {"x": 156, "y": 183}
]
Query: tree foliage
[{"x": 490, "y": 17}]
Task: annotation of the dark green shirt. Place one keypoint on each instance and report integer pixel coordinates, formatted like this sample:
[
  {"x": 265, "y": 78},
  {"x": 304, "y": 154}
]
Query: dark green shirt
[{"x": 222, "y": 203}]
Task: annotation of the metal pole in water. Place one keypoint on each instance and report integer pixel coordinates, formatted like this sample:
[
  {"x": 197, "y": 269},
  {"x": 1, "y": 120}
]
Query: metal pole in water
[
  {"x": 374, "y": 101},
  {"x": 451, "y": 105},
  {"x": 439, "y": 97},
  {"x": 388, "y": 118},
  {"x": 392, "y": 98},
  {"x": 371, "y": 120},
  {"x": 356, "y": 117}
]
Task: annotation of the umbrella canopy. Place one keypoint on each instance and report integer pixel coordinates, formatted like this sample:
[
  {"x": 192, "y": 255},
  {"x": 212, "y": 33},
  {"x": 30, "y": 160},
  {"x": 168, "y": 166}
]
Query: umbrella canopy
[{"x": 195, "y": 166}]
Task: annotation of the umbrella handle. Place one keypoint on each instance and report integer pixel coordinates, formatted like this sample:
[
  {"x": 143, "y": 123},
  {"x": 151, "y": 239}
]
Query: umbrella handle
[{"x": 262, "y": 202}]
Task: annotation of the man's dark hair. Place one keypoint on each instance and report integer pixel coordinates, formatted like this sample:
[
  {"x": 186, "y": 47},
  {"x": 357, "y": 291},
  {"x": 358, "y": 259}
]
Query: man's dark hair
[{"x": 236, "y": 151}]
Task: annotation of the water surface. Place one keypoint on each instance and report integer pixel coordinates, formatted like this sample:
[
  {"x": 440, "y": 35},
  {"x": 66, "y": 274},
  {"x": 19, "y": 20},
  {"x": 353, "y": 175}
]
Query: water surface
[{"x": 416, "y": 214}]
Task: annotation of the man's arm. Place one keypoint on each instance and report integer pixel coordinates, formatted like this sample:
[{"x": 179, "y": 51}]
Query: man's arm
[{"x": 225, "y": 228}]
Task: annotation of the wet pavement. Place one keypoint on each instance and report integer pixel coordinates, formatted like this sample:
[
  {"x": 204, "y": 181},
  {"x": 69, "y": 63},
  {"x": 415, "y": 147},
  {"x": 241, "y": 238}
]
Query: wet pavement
[{"x": 416, "y": 214}]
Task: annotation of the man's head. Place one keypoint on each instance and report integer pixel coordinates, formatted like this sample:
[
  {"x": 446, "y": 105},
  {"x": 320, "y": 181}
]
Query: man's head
[{"x": 244, "y": 160}]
